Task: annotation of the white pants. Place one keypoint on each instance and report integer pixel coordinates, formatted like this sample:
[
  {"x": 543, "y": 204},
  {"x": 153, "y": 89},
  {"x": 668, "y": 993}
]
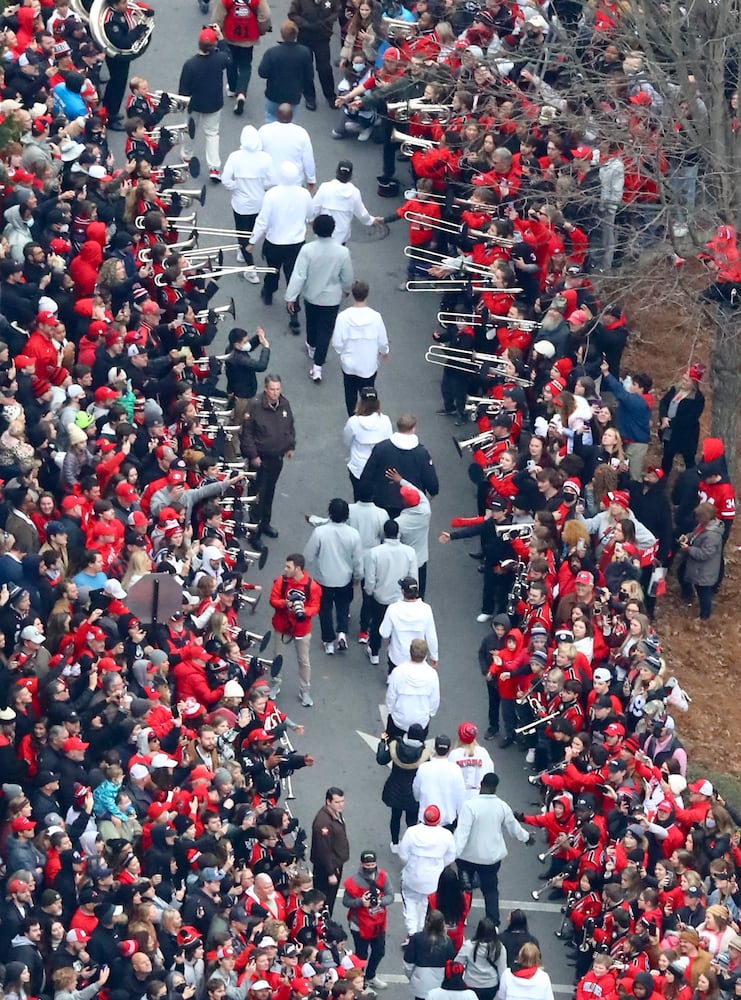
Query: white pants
[
  {"x": 211, "y": 132},
  {"x": 415, "y": 909}
]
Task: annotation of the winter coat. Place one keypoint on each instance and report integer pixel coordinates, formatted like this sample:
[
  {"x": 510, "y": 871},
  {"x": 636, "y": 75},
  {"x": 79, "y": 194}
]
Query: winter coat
[
  {"x": 525, "y": 984},
  {"x": 84, "y": 268},
  {"x": 404, "y": 453},
  {"x": 404, "y": 759},
  {"x": 242, "y": 21},
  {"x": 684, "y": 430},
  {"x": 650, "y": 506},
  {"x": 424, "y": 962},
  {"x": 17, "y": 232},
  {"x": 704, "y": 555}
]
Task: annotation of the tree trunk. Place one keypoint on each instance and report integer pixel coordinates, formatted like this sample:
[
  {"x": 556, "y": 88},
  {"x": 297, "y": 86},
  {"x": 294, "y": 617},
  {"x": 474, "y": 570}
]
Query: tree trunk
[{"x": 725, "y": 381}]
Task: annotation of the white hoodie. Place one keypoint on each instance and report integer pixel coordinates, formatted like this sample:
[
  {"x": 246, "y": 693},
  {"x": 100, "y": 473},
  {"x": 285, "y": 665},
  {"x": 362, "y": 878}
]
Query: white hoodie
[
  {"x": 342, "y": 200},
  {"x": 413, "y": 694},
  {"x": 248, "y": 173},
  {"x": 286, "y": 208},
  {"x": 288, "y": 141},
  {"x": 424, "y": 851},
  {"x": 359, "y": 337},
  {"x": 360, "y": 434}
]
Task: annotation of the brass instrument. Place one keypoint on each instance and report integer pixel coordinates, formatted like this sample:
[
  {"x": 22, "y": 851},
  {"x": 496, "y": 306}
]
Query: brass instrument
[
  {"x": 531, "y": 726},
  {"x": 434, "y": 259},
  {"x": 185, "y": 248},
  {"x": 185, "y": 221},
  {"x": 474, "y": 284},
  {"x": 188, "y": 195},
  {"x": 402, "y": 110},
  {"x": 180, "y": 101},
  {"x": 509, "y": 531},
  {"x": 537, "y": 893},
  {"x": 457, "y": 229},
  {"x": 222, "y": 312},
  {"x": 410, "y": 144},
  {"x": 181, "y": 127},
  {"x": 555, "y": 847},
  {"x": 237, "y": 269},
  {"x": 192, "y": 167},
  {"x": 96, "y": 25},
  {"x": 474, "y": 402},
  {"x": 397, "y": 27},
  {"x": 475, "y": 442},
  {"x": 81, "y": 8},
  {"x": 469, "y": 361},
  {"x": 474, "y": 319}
]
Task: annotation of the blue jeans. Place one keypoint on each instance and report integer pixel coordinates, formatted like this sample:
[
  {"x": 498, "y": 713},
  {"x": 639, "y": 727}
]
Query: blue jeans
[{"x": 271, "y": 111}]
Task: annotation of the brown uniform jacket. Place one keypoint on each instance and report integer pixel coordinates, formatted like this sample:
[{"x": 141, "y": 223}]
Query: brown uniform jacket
[{"x": 329, "y": 846}]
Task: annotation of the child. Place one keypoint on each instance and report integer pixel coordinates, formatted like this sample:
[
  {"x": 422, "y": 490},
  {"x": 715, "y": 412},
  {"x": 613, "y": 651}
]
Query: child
[
  {"x": 104, "y": 796},
  {"x": 599, "y": 983}
]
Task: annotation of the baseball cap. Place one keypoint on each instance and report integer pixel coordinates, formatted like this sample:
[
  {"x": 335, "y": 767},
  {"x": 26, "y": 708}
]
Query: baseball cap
[
  {"x": 74, "y": 743},
  {"x": 31, "y": 634},
  {"x": 615, "y": 729},
  {"x": 409, "y": 586},
  {"x": 212, "y": 875},
  {"x": 443, "y": 743},
  {"x": 701, "y": 787},
  {"x": 584, "y": 577},
  {"x": 431, "y": 815},
  {"x": 21, "y": 823},
  {"x": 368, "y": 857}
]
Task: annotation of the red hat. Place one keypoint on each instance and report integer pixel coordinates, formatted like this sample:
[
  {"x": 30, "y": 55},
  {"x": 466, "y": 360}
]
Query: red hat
[
  {"x": 701, "y": 787},
  {"x": 301, "y": 985},
  {"x": 431, "y": 815},
  {"x": 392, "y": 53},
  {"x": 653, "y": 471},
  {"x": 71, "y": 501},
  {"x": 467, "y": 732},
  {"x": 138, "y": 519},
  {"x": 615, "y": 729},
  {"x": 98, "y": 328},
  {"x": 103, "y": 393},
  {"x": 19, "y": 884},
  {"x": 630, "y": 548},
  {"x": 207, "y": 37},
  {"x": 642, "y": 98},
  {"x": 101, "y": 529},
  {"x": 46, "y": 319},
  {"x": 128, "y": 948},
  {"x": 201, "y": 773},
  {"x": 631, "y": 744},
  {"x": 23, "y": 361},
  {"x": 582, "y": 153},
  {"x": 555, "y": 386},
  {"x": 578, "y": 316},
  {"x": 109, "y": 664},
  {"x": 39, "y": 386},
  {"x": 410, "y": 496},
  {"x": 572, "y": 484},
  {"x": 21, "y": 823},
  {"x": 126, "y": 491},
  {"x": 260, "y": 736},
  {"x": 696, "y": 372},
  {"x": 563, "y": 366},
  {"x": 105, "y": 445},
  {"x": 57, "y": 375},
  {"x": 156, "y": 809},
  {"x": 60, "y": 246},
  {"x": 176, "y": 476},
  {"x": 113, "y": 337},
  {"x": 95, "y": 633},
  {"x": 584, "y": 577},
  {"x": 78, "y": 934},
  {"x": 620, "y": 497},
  {"x": 74, "y": 743},
  {"x": 666, "y": 805},
  {"x": 137, "y": 337}
]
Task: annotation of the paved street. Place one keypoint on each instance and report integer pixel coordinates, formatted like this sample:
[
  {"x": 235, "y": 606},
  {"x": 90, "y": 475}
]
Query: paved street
[{"x": 342, "y": 727}]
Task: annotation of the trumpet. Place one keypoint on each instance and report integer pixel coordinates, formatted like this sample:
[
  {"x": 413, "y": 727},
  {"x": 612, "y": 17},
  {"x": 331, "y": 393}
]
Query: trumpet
[
  {"x": 222, "y": 312},
  {"x": 508, "y": 532},
  {"x": 537, "y": 893},
  {"x": 180, "y": 101},
  {"x": 475, "y": 442},
  {"x": 182, "y": 128},
  {"x": 192, "y": 167},
  {"x": 401, "y": 110},
  {"x": 188, "y": 195},
  {"x": 569, "y": 840}
]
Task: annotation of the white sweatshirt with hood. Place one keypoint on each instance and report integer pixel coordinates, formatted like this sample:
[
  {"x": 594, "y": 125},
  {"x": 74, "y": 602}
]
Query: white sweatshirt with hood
[
  {"x": 342, "y": 200},
  {"x": 286, "y": 208},
  {"x": 359, "y": 337},
  {"x": 248, "y": 173},
  {"x": 360, "y": 434}
]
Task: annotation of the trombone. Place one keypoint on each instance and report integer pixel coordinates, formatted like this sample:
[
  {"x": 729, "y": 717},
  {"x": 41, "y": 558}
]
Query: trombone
[
  {"x": 458, "y": 229},
  {"x": 479, "y": 441},
  {"x": 180, "y": 101},
  {"x": 474, "y": 319},
  {"x": 434, "y": 259},
  {"x": 221, "y": 272},
  {"x": 186, "y": 248},
  {"x": 454, "y": 357},
  {"x": 185, "y": 221},
  {"x": 532, "y": 726},
  {"x": 456, "y": 285}
]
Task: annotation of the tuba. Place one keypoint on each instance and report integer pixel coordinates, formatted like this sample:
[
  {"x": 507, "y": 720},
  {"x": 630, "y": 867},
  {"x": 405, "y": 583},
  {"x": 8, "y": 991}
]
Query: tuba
[
  {"x": 97, "y": 30},
  {"x": 81, "y": 8}
]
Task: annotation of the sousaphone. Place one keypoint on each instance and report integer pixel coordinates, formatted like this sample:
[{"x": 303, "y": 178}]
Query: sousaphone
[{"x": 97, "y": 30}]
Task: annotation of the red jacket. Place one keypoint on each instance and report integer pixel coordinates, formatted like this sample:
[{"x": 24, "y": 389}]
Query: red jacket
[
  {"x": 509, "y": 661},
  {"x": 592, "y": 987},
  {"x": 191, "y": 682},
  {"x": 284, "y": 621}
]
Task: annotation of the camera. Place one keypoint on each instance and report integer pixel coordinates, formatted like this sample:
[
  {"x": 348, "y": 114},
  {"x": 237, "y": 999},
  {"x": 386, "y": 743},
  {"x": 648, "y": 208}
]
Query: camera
[
  {"x": 374, "y": 896},
  {"x": 296, "y": 600}
]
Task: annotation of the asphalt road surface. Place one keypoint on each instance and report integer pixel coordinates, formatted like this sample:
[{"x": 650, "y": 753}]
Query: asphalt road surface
[{"x": 343, "y": 726}]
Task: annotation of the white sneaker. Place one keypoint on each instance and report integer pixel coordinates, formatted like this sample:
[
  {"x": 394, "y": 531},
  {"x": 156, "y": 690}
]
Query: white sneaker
[
  {"x": 483, "y": 617},
  {"x": 310, "y": 350},
  {"x": 530, "y": 756},
  {"x": 316, "y": 373},
  {"x": 380, "y": 984},
  {"x": 365, "y": 135},
  {"x": 329, "y": 648},
  {"x": 306, "y": 700},
  {"x": 394, "y": 848},
  {"x": 371, "y": 656},
  {"x": 341, "y": 642},
  {"x": 251, "y": 275}
]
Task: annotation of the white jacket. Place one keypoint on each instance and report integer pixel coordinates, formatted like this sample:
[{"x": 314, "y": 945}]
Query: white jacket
[
  {"x": 413, "y": 694},
  {"x": 407, "y": 620},
  {"x": 288, "y": 141},
  {"x": 248, "y": 173},
  {"x": 285, "y": 210},
  {"x": 424, "y": 851},
  {"x": 482, "y": 822},
  {"x": 359, "y": 337},
  {"x": 473, "y": 767},
  {"x": 360, "y": 435},
  {"x": 439, "y": 782},
  {"x": 342, "y": 200},
  {"x": 535, "y": 987}
]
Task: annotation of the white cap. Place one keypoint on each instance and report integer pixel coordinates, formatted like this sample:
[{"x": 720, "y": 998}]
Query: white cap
[
  {"x": 544, "y": 348},
  {"x": 47, "y": 304},
  {"x": 233, "y": 689},
  {"x": 162, "y": 760},
  {"x": 32, "y": 634},
  {"x": 602, "y": 674},
  {"x": 114, "y": 589},
  {"x": 139, "y": 771},
  {"x": 74, "y": 391}
]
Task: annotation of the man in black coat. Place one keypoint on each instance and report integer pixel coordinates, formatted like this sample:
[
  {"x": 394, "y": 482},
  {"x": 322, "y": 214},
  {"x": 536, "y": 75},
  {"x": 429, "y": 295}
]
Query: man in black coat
[
  {"x": 25, "y": 948},
  {"x": 242, "y": 364},
  {"x": 650, "y": 505},
  {"x": 202, "y": 79},
  {"x": 316, "y": 20},
  {"x": 403, "y": 453},
  {"x": 287, "y": 70},
  {"x": 103, "y": 946}
]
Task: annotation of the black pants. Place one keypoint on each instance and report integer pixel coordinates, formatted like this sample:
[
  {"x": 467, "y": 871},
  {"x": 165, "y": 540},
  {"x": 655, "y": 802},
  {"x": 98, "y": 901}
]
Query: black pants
[
  {"x": 335, "y": 602},
  {"x": 488, "y": 876},
  {"x": 320, "y": 322},
  {"x": 377, "y": 611},
  {"x": 279, "y": 256},
  {"x": 321, "y": 883},
  {"x": 422, "y": 579},
  {"x": 244, "y": 224},
  {"x": 372, "y": 949},
  {"x": 355, "y": 483},
  {"x": 365, "y": 610},
  {"x": 496, "y": 590},
  {"x": 454, "y": 387},
  {"x": 265, "y": 483},
  {"x": 396, "y": 732},
  {"x": 389, "y": 148},
  {"x": 412, "y": 815},
  {"x": 118, "y": 70},
  {"x": 239, "y": 70},
  {"x": 320, "y": 50},
  {"x": 353, "y": 385},
  {"x": 492, "y": 691}
]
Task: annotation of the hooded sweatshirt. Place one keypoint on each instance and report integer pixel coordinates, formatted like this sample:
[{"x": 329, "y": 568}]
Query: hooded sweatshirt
[
  {"x": 411, "y": 459},
  {"x": 525, "y": 984},
  {"x": 359, "y": 338},
  {"x": 413, "y": 694},
  {"x": 286, "y": 141},
  {"x": 360, "y": 434},
  {"x": 248, "y": 173},
  {"x": 424, "y": 851},
  {"x": 342, "y": 200},
  {"x": 286, "y": 208},
  {"x": 17, "y": 231}
]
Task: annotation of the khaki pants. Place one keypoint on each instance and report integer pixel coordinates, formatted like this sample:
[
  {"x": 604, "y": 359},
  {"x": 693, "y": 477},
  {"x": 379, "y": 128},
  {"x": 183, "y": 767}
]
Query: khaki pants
[
  {"x": 636, "y": 456},
  {"x": 210, "y": 123},
  {"x": 231, "y": 447},
  {"x": 302, "y": 645}
]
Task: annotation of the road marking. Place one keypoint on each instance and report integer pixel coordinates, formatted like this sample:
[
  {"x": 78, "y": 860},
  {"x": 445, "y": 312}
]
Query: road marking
[
  {"x": 394, "y": 977},
  {"x": 511, "y": 904}
]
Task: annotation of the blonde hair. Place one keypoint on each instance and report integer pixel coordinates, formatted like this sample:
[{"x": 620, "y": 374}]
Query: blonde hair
[{"x": 529, "y": 955}]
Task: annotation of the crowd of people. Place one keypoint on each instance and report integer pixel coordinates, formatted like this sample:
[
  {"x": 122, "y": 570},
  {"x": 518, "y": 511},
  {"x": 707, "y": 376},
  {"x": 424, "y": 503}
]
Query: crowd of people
[{"x": 145, "y": 754}]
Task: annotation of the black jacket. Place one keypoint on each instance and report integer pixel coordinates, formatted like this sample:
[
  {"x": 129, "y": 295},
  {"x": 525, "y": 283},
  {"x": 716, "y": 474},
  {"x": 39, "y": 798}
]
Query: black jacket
[
  {"x": 202, "y": 79},
  {"x": 315, "y": 18},
  {"x": 242, "y": 368},
  {"x": 685, "y": 425},
  {"x": 651, "y": 507},
  {"x": 288, "y": 71},
  {"x": 414, "y": 464}
]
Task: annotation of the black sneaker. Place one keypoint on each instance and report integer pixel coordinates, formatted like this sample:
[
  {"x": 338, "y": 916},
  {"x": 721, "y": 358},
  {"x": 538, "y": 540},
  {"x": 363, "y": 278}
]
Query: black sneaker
[
  {"x": 269, "y": 530},
  {"x": 310, "y": 105},
  {"x": 266, "y": 297},
  {"x": 491, "y": 734},
  {"x": 239, "y": 105}
]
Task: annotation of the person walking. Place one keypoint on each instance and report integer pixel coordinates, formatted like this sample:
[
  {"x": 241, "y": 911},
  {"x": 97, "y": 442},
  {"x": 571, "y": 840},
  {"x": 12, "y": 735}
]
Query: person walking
[
  {"x": 405, "y": 620},
  {"x": 243, "y": 22},
  {"x": 439, "y": 781},
  {"x": 248, "y": 173},
  {"x": 287, "y": 70},
  {"x": 425, "y": 849},
  {"x": 413, "y": 692},
  {"x": 414, "y": 524},
  {"x": 360, "y": 339},
  {"x": 404, "y": 455},
  {"x": 405, "y": 755},
  {"x": 479, "y": 840},
  {"x": 329, "y": 845},
  {"x": 323, "y": 272},
  {"x": 282, "y": 219},
  {"x": 343, "y": 201},
  {"x": 202, "y": 79},
  {"x": 364, "y": 429},
  {"x": 530, "y": 981},
  {"x": 268, "y": 437},
  {"x": 473, "y": 759},
  {"x": 282, "y": 139},
  {"x": 385, "y": 566},
  {"x": 367, "y": 897},
  {"x": 295, "y": 598},
  {"x": 241, "y": 365},
  {"x": 316, "y": 20},
  {"x": 335, "y": 555}
]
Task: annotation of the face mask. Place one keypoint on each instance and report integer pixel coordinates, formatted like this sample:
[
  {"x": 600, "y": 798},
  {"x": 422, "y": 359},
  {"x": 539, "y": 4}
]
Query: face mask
[
  {"x": 30, "y": 223},
  {"x": 358, "y": 68},
  {"x": 243, "y": 347}
]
